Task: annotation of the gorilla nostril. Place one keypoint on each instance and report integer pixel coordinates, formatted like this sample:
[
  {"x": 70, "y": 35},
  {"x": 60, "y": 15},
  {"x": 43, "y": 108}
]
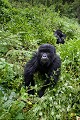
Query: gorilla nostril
[{"x": 44, "y": 55}]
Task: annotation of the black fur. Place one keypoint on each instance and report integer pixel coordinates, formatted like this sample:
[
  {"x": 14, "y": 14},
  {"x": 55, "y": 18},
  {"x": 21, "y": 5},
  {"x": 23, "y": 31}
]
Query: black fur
[
  {"x": 49, "y": 68},
  {"x": 60, "y": 36}
]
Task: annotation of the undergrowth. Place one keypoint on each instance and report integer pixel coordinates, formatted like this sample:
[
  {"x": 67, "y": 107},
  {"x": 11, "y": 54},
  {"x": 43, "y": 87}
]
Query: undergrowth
[{"x": 22, "y": 31}]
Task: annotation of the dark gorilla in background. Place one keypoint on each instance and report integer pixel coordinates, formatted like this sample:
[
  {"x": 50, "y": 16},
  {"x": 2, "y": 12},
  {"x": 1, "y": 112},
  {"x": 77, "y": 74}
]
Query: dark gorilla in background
[
  {"x": 46, "y": 62},
  {"x": 60, "y": 36}
]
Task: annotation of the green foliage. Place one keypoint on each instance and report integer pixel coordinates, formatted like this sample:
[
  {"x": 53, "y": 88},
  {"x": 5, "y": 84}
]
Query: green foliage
[
  {"x": 23, "y": 29},
  {"x": 5, "y": 11},
  {"x": 9, "y": 75},
  {"x": 68, "y": 8},
  {"x": 8, "y": 41}
]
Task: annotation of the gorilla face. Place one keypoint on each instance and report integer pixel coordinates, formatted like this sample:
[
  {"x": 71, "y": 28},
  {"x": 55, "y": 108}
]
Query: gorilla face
[
  {"x": 44, "y": 57},
  {"x": 46, "y": 54}
]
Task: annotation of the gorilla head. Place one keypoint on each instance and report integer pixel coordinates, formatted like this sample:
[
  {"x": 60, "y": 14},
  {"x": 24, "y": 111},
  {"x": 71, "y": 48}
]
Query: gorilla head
[{"x": 46, "y": 54}]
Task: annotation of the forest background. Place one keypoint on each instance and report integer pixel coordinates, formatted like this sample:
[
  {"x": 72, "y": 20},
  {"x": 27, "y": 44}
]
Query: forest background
[{"x": 24, "y": 25}]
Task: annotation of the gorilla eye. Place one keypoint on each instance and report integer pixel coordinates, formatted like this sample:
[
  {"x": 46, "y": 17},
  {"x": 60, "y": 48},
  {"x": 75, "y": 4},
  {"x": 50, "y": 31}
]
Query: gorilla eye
[{"x": 47, "y": 53}]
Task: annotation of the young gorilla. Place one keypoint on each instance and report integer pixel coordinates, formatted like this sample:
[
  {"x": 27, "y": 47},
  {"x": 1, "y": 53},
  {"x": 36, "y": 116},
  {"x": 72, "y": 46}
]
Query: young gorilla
[
  {"x": 60, "y": 36},
  {"x": 47, "y": 63}
]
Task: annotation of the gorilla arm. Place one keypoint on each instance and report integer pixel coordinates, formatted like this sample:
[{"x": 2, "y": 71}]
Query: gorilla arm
[{"x": 29, "y": 70}]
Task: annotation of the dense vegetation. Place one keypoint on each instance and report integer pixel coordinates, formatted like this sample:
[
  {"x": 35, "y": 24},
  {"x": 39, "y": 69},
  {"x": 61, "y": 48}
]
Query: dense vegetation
[{"x": 23, "y": 28}]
